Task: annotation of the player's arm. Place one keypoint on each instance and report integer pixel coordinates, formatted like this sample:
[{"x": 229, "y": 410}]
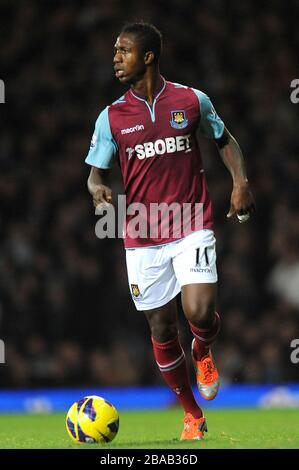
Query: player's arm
[
  {"x": 100, "y": 192},
  {"x": 102, "y": 151},
  {"x": 211, "y": 126},
  {"x": 242, "y": 202}
]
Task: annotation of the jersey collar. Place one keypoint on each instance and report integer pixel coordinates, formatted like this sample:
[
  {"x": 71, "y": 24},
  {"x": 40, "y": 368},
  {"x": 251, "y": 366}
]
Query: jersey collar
[{"x": 155, "y": 97}]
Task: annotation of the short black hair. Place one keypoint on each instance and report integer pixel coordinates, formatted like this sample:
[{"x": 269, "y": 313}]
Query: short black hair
[{"x": 149, "y": 37}]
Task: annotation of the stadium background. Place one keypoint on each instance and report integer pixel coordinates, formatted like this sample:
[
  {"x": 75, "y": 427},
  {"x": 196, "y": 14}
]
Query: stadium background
[{"x": 66, "y": 315}]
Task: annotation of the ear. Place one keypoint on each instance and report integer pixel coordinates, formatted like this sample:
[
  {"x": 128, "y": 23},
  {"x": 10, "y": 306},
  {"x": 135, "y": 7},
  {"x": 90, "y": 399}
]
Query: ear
[{"x": 149, "y": 57}]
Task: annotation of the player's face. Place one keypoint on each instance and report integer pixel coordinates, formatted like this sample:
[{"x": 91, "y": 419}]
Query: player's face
[{"x": 128, "y": 59}]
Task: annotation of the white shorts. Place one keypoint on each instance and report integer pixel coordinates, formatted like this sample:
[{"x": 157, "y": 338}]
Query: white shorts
[{"x": 157, "y": 273}]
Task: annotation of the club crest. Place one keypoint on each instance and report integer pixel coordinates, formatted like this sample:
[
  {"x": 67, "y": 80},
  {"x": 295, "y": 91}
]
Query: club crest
[{"x": 178, "y": 119}]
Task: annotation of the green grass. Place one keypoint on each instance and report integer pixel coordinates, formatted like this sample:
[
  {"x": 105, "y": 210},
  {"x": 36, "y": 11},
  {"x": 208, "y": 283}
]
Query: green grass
[{"x": 228, "y": 429}]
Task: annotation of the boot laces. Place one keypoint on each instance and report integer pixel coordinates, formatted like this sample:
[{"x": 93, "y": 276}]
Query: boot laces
[
  {"x": 187, "y": 422},
  {"x": 208, "y": 369}
]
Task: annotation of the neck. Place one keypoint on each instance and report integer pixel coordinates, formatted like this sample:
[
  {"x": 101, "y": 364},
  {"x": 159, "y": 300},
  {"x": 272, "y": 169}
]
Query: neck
[{"x": 149, "y": 85}]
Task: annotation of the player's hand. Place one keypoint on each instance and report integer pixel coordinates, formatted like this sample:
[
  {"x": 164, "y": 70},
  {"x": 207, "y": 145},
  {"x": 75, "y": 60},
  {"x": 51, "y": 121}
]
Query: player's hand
[
  {"x": 242, "y": 203},
  {"x": 102, "y": 195}
]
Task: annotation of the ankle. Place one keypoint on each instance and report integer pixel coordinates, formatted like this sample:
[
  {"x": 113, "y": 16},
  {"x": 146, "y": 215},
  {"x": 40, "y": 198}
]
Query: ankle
[{"x": 200, "y": 351}]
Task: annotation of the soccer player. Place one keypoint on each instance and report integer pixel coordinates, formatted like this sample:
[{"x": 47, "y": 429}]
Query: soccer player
[{"x": 151, "y": 132}]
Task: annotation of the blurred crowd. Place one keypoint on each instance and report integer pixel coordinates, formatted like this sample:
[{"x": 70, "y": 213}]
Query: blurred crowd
[{"x": 66, "y": 315}]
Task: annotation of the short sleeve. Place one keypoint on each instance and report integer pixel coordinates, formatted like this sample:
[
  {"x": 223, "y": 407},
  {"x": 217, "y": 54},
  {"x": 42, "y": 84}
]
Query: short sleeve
[
  {"x": 103, "y": 147},
  {"x": 210, "y": 124}
]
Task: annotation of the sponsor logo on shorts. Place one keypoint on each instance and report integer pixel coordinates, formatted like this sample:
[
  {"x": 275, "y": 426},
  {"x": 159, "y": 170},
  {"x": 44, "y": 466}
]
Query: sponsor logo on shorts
[
  {"x": 135, "y": 290},
  {"x": 201, "y": 270},
  {"x": 178, "y": 119}
]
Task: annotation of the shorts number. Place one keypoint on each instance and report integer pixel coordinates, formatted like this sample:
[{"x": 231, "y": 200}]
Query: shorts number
[{"x": 206, "y": 256}]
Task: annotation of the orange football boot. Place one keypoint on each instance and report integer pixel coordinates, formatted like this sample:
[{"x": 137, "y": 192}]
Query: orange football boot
[
  {"x": 193, "y": 428},
  {"x": 207, "y": 376}
]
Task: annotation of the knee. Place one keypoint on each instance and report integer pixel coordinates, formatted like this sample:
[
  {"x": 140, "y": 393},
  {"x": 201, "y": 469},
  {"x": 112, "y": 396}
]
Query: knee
[
  {"x": 162, "y": 331},
  {"x": 200, "y": 313}
]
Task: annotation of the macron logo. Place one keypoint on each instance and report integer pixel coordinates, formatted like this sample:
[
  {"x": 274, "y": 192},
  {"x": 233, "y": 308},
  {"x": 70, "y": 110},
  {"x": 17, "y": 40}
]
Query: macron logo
[{"x": 138, "y": 127}]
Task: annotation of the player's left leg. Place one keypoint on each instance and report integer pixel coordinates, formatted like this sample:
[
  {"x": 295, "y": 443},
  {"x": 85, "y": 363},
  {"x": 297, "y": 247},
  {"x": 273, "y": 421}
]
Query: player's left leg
[
  {"x": 198, "y": 301},
  {"x": 194, "y": 262},
  {"x": 154, "y": 287}
]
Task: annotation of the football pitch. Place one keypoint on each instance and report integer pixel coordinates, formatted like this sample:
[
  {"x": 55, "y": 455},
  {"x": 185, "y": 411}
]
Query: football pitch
[{"x": 228, "y": 429}]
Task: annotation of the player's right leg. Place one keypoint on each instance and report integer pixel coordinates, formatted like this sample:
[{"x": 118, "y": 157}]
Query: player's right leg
[
  {"x": 154, "y": 287},
  {"x": 170, "y": 359}
]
